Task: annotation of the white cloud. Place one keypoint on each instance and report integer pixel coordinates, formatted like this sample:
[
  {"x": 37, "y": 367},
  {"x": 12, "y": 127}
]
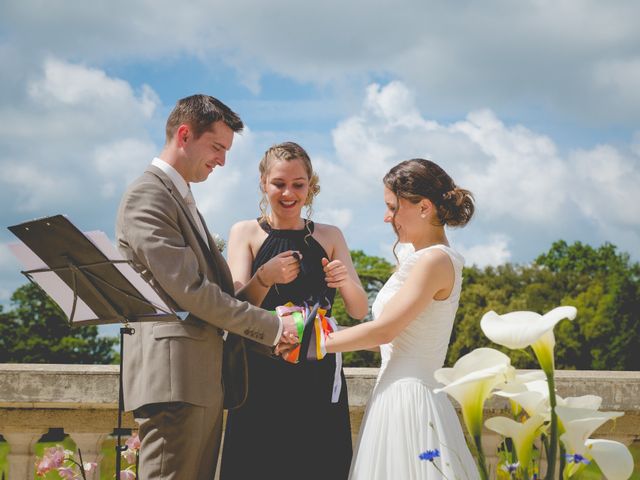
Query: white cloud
[
  {"x": 605, "y": 186},
  {"x": 78, "y": 86},
  {"x": 9, "y": 268},
  {"x": 525, "y": 189},
  {"x": 120, "y": 162},
  {"x": 457, "y": 58},
  {"x": 340, "y": 217},
  {"x": 618, "y": 79},
  {"x": 496, "y": 252},
  {"x": 75, "y": 131}
]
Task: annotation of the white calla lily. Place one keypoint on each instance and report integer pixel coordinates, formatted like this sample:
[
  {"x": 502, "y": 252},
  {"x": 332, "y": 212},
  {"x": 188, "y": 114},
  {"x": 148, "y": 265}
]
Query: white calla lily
[
  {"x": 579, "y": 424},
  {"x": 534, "y": 402},
  {"x": 518, "y": 330},
  {"x": 470, "y": 382},
  {"x": 613, "y": 458},
  {"x": 590, "y": 402},
  {"x": 522, "y": 434},
  {"x": 521, "y": 329}
]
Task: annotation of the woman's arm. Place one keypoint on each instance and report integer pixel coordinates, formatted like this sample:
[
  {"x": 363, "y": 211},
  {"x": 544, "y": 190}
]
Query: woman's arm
[
  {"x": 341, "y": 274},
  {"x": 431, "y": 276}
]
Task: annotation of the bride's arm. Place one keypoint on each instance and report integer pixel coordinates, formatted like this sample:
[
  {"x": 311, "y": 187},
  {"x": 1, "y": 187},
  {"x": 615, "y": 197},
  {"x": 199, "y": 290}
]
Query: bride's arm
[{"x": 431, "y": 275}]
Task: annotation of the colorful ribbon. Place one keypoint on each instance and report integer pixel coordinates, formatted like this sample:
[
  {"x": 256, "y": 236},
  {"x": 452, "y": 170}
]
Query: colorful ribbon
[{"x": 322, "y": 326}]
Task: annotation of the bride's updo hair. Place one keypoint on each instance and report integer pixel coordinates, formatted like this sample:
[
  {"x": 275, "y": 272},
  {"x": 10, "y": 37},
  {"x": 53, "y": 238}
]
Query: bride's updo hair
[{"x": 416, "y": 179}]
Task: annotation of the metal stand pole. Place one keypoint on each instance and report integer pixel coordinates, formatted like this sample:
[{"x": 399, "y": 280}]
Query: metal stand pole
[{"x": 126, "y": 330}]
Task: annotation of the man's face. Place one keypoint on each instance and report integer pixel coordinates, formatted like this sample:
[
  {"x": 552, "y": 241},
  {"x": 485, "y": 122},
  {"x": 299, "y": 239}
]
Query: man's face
[{"x": 207, "y": 151}]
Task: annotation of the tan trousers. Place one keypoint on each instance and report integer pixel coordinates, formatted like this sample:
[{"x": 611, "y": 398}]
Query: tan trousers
[{"x": 179, "y": 441}]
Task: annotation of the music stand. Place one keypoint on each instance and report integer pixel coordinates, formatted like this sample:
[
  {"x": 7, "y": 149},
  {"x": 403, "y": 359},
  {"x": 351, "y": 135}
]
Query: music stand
[{"x": 86, "y": 276}]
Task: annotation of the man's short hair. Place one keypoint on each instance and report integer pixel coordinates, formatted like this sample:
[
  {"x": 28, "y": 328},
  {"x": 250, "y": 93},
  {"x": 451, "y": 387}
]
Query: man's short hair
[{"x": 200, "y": 112}]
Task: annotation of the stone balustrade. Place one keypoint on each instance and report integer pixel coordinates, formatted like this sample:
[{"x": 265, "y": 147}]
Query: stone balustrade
[{"x": 82, "y": 400}]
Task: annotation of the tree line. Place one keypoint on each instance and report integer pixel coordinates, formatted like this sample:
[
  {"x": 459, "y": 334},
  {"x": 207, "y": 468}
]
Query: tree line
[{"x": 602, "y": 283}]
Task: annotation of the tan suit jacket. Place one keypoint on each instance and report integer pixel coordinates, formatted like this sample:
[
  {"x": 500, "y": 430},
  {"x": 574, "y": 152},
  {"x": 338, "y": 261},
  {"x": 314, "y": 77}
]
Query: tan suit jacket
[{"x": 180, "y": 361}]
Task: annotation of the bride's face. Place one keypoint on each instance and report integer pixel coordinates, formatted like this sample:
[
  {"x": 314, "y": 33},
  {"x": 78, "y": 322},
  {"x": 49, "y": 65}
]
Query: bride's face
[
  {"x": 403, "y": 215},
  {"x": 287, "y": 187}
]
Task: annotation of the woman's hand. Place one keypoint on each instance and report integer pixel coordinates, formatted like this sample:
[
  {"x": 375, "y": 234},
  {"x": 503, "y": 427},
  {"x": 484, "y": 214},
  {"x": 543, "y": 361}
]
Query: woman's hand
[
  {"x": 336, "y": 274},
  {"x": 283, "y": 268}
]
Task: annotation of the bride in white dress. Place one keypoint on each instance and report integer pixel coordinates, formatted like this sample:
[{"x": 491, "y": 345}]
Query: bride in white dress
[{"x": 413, "y": 318}]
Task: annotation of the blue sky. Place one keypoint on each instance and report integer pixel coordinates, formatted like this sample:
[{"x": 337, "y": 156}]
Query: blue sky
[{"x": 532, "y": 105}]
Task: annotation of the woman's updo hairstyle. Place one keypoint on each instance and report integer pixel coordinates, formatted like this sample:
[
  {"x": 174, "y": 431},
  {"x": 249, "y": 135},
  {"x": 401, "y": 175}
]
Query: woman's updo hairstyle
[{"x": 416, "y": 179}]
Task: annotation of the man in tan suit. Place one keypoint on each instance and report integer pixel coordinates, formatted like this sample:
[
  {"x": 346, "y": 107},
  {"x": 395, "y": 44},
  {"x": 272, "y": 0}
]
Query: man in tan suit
[{"x": 172, "y": 370}]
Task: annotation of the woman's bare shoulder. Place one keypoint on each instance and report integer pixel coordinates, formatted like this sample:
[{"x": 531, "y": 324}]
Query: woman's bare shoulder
[
  {"x": 326, "y": 230},
  {"x": 245, "y": 227}
]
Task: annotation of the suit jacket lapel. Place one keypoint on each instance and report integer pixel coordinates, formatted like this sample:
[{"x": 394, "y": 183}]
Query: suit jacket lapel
[{"x": 214, "y": 257}]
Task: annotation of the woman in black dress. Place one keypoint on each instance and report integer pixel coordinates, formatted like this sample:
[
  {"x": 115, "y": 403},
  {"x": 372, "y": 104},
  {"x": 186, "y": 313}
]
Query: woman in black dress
[{"x": 295, "y": 422}]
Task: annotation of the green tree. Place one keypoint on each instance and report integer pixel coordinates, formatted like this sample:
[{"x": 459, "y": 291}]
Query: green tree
[
  {"x": 601, "y": 283},
  {"x": 604, "y": 285},
  {"x": 36, "y": 331}
]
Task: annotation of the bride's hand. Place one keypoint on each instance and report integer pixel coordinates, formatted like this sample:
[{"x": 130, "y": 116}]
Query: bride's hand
[
  {"x": 283, "y": 268},
  {"x": 335, "y": 272}
]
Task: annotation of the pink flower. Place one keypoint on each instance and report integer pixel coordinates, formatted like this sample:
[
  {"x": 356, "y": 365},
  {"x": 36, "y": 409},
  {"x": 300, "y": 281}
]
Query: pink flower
[
  {"x": 90, "y": 467},
  {"x": 67, "y": 473},
  {"x": 133, "y": 442},
  {"x": 53, "y": 458},
  {"x": 133, "y": 445},
  {"x": 129, "y": 456},
  {"x": 127, "y": 475}
]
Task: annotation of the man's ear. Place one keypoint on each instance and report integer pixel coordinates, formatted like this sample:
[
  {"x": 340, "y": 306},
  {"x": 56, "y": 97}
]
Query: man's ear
[{"x": 183, "y": 134}]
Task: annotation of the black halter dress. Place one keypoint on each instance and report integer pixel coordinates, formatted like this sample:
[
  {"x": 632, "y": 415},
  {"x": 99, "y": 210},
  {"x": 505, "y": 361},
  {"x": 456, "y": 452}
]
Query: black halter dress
[{"x": 288, "y": 428}]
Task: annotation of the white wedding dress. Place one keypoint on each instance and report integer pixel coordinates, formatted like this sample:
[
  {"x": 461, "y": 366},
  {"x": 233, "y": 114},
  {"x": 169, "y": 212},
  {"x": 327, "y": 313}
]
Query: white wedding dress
[{"x": 404, "y": 417}]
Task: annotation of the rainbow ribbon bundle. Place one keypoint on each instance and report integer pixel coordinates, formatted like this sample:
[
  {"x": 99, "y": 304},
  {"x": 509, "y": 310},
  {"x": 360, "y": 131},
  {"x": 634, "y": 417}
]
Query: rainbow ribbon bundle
[
  {"x": 322, "y": 325},
  {"x": 313, "y": 326}
]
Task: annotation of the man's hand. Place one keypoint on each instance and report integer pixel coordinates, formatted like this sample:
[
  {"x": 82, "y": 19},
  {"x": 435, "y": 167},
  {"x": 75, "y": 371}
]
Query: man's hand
[
  {"x": 289, "y": 330},
  {"x": 284, "y": 349}
]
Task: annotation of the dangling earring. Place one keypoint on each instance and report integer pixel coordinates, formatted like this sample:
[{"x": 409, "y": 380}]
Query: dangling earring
[{"x": 263, "y": 205}]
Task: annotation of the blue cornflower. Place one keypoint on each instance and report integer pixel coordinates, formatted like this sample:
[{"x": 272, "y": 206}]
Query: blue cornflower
[
  {"x": 430, "y": 455},
  {"x": 511, "y": 467},
  {"x": 577, "y": 458}
]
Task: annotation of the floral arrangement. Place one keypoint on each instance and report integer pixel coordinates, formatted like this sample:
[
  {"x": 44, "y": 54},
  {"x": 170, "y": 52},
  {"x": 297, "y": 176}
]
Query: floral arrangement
[
  {"x": 57, "y": 458},
  {"x": 542, "y": 424},
  {"x": 219, "y": 242},
  {"x": 68, "y": 468}
]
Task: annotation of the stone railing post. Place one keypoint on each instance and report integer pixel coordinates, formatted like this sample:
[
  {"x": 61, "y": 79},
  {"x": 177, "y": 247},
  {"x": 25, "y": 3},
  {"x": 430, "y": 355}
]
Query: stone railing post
[
  {"x": 90, "y": 445},
  {"x": 21, "y": 458}
]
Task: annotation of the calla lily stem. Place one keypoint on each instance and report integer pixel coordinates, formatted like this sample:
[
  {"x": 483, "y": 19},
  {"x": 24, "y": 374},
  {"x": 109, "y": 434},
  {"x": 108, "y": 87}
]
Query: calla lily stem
[
  {"x": 553, "y": 440},
  {"x": 484, "y": 475}
]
